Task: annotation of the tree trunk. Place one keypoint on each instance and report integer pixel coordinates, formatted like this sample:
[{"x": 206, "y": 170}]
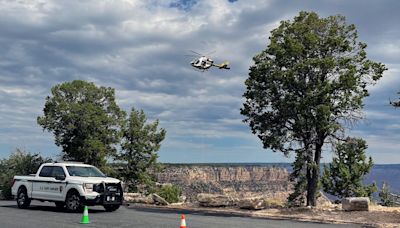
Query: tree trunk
[
  {"x": 309, "y": 179},
  {"x": 313, "y": 174}
]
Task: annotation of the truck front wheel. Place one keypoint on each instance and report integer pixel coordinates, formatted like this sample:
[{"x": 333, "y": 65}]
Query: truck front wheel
[
  {"x": 23, "y": 200},
  {"x": 110, "y": 208},
  {"x": 73, "y": 202}
]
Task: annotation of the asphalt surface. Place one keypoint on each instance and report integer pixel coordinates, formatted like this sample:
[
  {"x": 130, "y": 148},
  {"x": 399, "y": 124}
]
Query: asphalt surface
[{"x": 45, "y": 215}]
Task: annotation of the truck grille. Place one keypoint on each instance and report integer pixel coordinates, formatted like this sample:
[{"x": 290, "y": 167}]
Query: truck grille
[
  {"x": 111, "y": 188},
  {"x": 113, "y": 193}
]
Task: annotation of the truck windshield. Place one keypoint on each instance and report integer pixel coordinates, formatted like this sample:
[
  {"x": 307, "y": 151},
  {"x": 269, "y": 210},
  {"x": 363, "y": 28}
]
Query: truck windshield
[{"x": 82, "y": 171}]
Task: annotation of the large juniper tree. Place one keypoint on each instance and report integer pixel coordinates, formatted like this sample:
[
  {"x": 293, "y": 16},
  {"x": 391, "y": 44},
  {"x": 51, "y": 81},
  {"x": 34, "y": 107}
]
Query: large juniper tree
[
  {"x": 85, "y": 121},
  {"x": 304, "y": 87}
]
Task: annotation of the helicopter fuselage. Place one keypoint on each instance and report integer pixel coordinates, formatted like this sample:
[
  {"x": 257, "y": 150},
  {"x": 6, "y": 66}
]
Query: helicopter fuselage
[{"x": 202, "y": 63}]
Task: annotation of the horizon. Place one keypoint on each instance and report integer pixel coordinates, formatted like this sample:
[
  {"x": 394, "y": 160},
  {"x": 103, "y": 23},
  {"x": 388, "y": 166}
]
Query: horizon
[{"x": 250, "y": 163}]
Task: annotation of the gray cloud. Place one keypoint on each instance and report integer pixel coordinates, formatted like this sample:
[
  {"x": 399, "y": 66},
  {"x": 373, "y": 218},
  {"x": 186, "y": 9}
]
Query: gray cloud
[{"x": 139, "y": 48}]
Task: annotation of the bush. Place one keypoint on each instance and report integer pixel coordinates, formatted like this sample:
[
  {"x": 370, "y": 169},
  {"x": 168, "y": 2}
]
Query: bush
[
  {"x": 5, "y": 185},
  {"x": 274, "y": 203},
  {"x": 384, "y": 194},
  {"x": 19, "y": 163},
  {"x": 170, "y": 193}
]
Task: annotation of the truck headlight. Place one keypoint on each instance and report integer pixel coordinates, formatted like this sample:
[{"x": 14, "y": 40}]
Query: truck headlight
[{"x": 88, "y": 187}]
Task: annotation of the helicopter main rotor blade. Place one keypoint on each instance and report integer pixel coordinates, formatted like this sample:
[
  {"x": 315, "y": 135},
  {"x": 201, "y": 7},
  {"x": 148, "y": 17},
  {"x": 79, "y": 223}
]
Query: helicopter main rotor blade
[
  {"x": 212, "y": 52},
  {"x": 196, "y": 52},
  {"x": 191, "y": 55}
]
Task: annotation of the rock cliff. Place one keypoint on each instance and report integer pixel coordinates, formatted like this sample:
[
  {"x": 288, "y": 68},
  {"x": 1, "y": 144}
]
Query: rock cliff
[{"x": 236, "y": 180}]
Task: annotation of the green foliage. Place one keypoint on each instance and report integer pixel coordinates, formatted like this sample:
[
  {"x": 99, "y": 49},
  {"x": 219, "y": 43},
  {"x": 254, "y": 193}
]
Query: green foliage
[
  {"x": 344, "y": 176},
  {"x": 308, "y": 82},
  {"x": 19, "y": 163},
  {"x": 274, "y": 203},
  {"x": 170, "y": 193},
  {"x": 84, "y": 119},
  {"x": 386, "y": 198},
  {"x": 140, "y": 144}
]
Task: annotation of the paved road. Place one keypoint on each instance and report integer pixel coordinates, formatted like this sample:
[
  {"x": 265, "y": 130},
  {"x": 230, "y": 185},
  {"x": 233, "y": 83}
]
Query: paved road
[{"x": 45, "y": 215}]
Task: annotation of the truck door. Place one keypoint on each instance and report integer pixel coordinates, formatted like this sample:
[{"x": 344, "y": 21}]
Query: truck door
[
  {"x": 40, "y": 185},
  {"x": 57, "y": 186}
]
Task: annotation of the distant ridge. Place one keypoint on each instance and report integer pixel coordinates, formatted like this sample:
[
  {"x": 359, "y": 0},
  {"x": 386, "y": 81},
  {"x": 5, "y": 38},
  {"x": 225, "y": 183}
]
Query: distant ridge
[
  {"x": 389, "y": 173},
  {"x": 235, "y": 164},
  {"x": 251, "y": 163}
]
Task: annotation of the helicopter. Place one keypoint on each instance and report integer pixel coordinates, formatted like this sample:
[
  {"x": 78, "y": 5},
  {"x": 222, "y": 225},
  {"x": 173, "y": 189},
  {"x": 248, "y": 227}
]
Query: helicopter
[{"x": 204, "y": 63}]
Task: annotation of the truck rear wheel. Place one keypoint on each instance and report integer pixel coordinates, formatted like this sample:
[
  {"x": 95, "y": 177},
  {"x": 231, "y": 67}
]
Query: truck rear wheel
[
  {"x": 110, "y": 208},
  {"x": 73, "y": 202},
  {"x": 23, "y": 200}
]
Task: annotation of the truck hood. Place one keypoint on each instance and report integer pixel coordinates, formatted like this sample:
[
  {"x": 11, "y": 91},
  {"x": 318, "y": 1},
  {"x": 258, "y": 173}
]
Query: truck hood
[{"x": 93, "y": 180}]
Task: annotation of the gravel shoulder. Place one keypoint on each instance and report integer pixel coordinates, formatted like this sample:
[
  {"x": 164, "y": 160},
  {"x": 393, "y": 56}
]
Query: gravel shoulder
[{"x": 377, "y": 216}]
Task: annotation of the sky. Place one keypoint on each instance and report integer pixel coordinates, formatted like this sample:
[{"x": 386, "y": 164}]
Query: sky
[{"x": 140, "y": 48}]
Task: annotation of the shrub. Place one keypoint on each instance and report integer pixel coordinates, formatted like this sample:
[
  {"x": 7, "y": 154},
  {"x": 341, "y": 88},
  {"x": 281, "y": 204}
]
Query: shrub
[
  {"x": 5, "y": 185},
  {"x": 170, "y": 193},
  {"x": 384, "y": 194},
  {"x": 19, "y": 163},
  {"x": 274, "y": 203}
]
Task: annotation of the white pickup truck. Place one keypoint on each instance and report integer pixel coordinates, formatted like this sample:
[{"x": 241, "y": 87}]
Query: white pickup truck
[{"x": 70, "y": 186}]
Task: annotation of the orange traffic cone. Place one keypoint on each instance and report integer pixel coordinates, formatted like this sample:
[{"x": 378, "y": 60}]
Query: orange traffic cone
[{"x": 183, "y": 222}]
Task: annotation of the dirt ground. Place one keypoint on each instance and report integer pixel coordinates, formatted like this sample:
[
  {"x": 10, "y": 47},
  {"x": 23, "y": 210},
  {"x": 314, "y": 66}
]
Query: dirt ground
[{"x": 377, "y": 216}]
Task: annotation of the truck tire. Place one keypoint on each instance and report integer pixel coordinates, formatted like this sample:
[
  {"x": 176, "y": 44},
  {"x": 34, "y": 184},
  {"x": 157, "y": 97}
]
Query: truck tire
[
  {"x": 73, "y": 202},
  {"x": 111, "y": 208},
  {"x": 23, "y": 200}
]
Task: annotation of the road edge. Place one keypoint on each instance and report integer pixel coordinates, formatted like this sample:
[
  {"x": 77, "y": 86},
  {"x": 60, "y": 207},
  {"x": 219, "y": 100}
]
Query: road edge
[{"x": 237, "y": 213}]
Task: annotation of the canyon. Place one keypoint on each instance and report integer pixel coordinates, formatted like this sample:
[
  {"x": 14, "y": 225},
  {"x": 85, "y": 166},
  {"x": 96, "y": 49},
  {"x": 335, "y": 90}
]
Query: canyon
[{"x": 228, "y": 179}]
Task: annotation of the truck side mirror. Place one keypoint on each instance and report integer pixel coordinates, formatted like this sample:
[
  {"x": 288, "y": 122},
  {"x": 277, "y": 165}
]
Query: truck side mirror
[{"x": 59, "y": 177}]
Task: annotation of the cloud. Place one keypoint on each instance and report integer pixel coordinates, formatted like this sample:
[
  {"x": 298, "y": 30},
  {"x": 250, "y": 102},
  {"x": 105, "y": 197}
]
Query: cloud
[{"x": 139, "y": 47}]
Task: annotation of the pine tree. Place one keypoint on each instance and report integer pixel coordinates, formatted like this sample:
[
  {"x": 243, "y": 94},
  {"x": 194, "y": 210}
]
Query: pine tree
[
  {"x": 344, "y": 176},
  {"x": 140, "y": 144}
]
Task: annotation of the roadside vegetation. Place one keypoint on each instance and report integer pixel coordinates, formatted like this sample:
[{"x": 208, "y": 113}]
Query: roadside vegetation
[
  {"x": 138, "y": 155},
  {"x": 18, "y": 163},
  {"x": 388, "y": 198},
  {"x": 169, "y": 192},
  {"x": 344, "y": 176}
]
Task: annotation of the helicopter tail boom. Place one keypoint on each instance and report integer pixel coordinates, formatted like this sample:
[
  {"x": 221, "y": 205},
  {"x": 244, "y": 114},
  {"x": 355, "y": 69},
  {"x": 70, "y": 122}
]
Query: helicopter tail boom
[{"x": 224, "y": 65}]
